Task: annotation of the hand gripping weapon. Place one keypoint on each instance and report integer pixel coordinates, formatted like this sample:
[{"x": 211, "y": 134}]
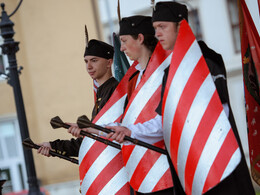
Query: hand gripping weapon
[
  {"x": 84, "y": 122},
  {"x": 56, "y": 122},
  {"x": 28, "y": 143}
]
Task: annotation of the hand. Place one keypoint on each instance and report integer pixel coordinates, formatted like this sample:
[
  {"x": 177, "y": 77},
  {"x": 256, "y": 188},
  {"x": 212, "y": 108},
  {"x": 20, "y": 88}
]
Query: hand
[
  {"x": 119, "y": 133},
  {"x": 74, "y": 130},
  {"x": 45, "y": 149},
  {"x": 91, "y": 130}
]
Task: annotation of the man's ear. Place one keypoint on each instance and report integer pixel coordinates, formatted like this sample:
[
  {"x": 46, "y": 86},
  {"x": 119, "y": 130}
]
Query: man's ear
[
  {"x": 110, "y": 62},
  {"x": 140, "y": 37}
]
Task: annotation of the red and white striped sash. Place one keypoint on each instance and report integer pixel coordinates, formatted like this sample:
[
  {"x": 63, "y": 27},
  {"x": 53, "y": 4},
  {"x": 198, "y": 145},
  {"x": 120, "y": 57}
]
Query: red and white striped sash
[
  {"x": 95, "y": 87},
  {"x": 197, "y": 132},
  {"x": 148, "y": 170},
  {"x": 101, "y": 167}
]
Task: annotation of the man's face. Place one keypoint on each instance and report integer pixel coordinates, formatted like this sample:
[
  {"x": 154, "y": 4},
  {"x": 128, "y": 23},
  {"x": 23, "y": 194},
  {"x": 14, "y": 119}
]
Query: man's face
[
  {"x": 130, "y": 46},
  {"x": 97, "y": 67},
  {"x": 166, "y": 33}
]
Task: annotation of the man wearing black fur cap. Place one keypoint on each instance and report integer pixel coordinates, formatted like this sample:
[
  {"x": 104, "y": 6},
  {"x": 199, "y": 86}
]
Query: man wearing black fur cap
[
  {"x": 166, "y": 21},
  {"x": 99, "y": 59}
]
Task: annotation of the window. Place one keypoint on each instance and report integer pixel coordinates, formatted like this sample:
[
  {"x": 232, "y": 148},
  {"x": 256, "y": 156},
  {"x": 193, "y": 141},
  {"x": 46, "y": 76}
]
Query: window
[
  {"x": 194, "y": 23},
  {"x": 234, "y": 21},
  {"x": 12, "y": 167}
]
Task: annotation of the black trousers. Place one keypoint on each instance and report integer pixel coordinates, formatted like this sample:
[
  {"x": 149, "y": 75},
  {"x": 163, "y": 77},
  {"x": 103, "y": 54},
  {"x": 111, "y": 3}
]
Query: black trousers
[{"x": 169, "y": 191}]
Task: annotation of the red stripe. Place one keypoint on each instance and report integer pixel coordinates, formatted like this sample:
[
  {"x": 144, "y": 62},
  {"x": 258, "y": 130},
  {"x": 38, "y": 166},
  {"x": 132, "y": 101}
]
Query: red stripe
[
  {"x": 159, "y": 55},
  {"x": 93, "y": 153},
  {"x": 95, "y": 89},
  {"x": 143, "y": 168},
  {"x": 187, "y": 97},
  {"x": 124, "y": 190},
  {"x": 127, "y": 151},
  {"x": 223, "y": 157},
  {"x": 119, "y": 118},
  {"x": 182, "y": 44},
  {"x": 164, "y": 182},
  {"x": 150, "y": 157},
  {"x": 200, "y": 138},
  {"x": 106, "y": 175},
  {"x": 148, "y": 111},
  {"x": 119, "y": 92},
  {"x": 160, "y": 144}
]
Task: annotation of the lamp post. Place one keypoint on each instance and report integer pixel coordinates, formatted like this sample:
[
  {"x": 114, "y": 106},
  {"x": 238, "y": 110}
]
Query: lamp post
[
  {"x": 10, "y": 47},
  {"x": 2, "y": 181}
]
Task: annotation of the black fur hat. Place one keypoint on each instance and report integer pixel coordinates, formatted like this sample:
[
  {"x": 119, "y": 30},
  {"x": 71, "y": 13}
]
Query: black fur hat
[
  {"x": 99, "y": 49},
  {"x": 169, "y": 11},
  {"x": 136, "y": 24}
]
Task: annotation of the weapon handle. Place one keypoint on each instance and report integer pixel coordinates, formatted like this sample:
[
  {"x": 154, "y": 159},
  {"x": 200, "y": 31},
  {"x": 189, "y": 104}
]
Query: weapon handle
[
  {"x": 66, "y": 126},
  {"x": 105, "y": 141},
  {"x": 84, "y": 122},
  {"x": 73, "y": 160},
  {"x": 134, "y": 141},
  {"x": 59, "y": 123},
  {"x": 29, "y": 144}
]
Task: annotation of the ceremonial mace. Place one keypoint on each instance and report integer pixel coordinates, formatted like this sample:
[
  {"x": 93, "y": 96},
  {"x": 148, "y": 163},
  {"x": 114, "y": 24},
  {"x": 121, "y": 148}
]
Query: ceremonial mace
[
  {"x": 84, "y": 122},
  {"x": 28, "y": 143},
  {"x": 56, "y": 122}
]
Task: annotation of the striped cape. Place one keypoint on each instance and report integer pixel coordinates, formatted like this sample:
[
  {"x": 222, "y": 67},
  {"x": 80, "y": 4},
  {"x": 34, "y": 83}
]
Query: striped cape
[
  {"x": 197, "y": 132},
  {"x": 101, "y": 167},
  {"x": 148, "y": 170}
]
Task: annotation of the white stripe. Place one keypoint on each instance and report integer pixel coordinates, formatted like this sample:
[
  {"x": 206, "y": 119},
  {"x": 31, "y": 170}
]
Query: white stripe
[
  {"x": 118, "y": 181},
  {"x": 210, "y": 151},
  {"x": 145, "y": 93},
  {"x": 134, "y": 159},
  {"x": 86, "y": 144},
  {"x": 196, "y": 112},
  {"x": 97, "y": 167},
  {"x": 235, "y": 159},
  {"x": 113, "y": 112},
  {"x": 154, "y": 175},
  {"x": 178, "y": 83}
]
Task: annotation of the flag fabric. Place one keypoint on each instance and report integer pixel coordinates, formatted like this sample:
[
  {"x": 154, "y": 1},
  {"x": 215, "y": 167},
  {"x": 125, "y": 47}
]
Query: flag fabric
[
  {"x": 121, "y": 64},
  {"x": 101, "y": 167},
  {"x": 197, "y": 133},
  {"x": 148, "y": 170},
  {"x": 250, "y": 52}
]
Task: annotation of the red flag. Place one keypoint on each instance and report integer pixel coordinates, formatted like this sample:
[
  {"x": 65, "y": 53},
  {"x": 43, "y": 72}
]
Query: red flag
[
  {"x": 197, "y": 133},
  {"x": 148, "y": 170},
  {"x": 101, "y": 167},
  {"x": 250, "y": 52}
]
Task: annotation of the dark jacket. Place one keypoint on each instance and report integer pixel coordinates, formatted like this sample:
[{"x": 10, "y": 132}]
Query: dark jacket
[{"x": 71, "y": 147}]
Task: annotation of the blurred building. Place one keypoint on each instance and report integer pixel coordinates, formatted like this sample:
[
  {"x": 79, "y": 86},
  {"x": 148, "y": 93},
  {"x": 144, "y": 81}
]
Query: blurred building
[
  {"x": 216, "y": 23},
  {"x": 54, "y": 81}
]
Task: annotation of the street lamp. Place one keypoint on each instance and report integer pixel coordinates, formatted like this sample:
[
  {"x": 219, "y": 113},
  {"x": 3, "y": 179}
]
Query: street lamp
[
  {"x": 2, "y": 181},
  {"x": 10, "y": 47}
]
